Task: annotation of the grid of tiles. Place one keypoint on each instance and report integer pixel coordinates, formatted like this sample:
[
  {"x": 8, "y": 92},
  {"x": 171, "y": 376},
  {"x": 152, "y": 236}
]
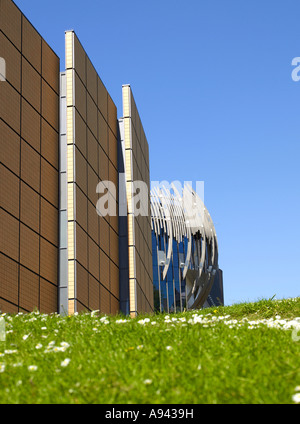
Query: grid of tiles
[
  {"x": 93, "y": 246},
  {"x": 29, "y": 105},
  {"x": 139, "y": 226}
]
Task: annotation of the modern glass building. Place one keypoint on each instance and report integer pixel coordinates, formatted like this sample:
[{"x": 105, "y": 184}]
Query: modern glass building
[
  {"x": 186, "y": 273},
  {"x": 62, "y": 147}
]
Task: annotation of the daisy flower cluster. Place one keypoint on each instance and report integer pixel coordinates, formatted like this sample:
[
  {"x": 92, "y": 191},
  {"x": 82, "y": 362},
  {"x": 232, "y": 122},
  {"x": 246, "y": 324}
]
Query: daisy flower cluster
[
  {"x": 209, "y": 320},
  {"x": 52, "y": 348},
  {"x": 41, "y": 332}
]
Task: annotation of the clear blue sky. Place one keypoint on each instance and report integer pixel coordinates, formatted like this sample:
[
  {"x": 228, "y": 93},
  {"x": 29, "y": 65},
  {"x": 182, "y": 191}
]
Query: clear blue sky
[{"x": 212, "y": 81}]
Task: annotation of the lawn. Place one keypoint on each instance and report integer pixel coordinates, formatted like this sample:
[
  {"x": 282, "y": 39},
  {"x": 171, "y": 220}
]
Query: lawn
[{"x": 243, "y": 354}]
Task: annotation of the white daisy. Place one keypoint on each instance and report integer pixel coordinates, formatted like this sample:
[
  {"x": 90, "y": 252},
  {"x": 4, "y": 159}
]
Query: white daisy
[
  {"x": 65, "y": 363},
  {"x": 32, "y": 368},
  {"x": 296, "y": 398}
]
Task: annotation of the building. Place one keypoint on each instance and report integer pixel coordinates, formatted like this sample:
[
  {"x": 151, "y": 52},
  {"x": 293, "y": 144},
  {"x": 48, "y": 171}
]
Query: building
[
  {"x": 185, "y": 251},
  {"x": 135, "y": 153},
  {"x": 89, "y": 248},
  {"x": 65, "y": 156},
  {"x": 29, "y": 146}
]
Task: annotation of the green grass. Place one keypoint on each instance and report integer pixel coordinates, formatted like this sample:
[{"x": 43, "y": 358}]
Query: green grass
[{"x": 177, "y": 362}]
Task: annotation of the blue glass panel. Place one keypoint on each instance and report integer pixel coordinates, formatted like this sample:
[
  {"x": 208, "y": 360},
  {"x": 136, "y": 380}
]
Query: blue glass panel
[
  {"x": 164, "y": 302},
  {"x": 177, "y": 288},
  {"x": 171, "y": 288},
  {"x": 175, "y": 254},
  {"x": 181, "y": 247},
  {"x": 162, "y": 242},
  {"x": 156, "y": 299}
]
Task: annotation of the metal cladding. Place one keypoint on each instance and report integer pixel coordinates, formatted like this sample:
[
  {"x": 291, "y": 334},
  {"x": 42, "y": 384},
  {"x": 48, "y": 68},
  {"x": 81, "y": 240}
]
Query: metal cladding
[{"x": 183, "y": 218}]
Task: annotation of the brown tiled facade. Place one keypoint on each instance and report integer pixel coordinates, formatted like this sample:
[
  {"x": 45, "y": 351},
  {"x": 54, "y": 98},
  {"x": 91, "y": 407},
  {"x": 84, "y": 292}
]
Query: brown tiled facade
[
  {"x": 92, "y": 131},
  {"x": 139, "y": 224},
  {"x": 29, "y": 141},
  {"x": 59, "y": 138}
]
